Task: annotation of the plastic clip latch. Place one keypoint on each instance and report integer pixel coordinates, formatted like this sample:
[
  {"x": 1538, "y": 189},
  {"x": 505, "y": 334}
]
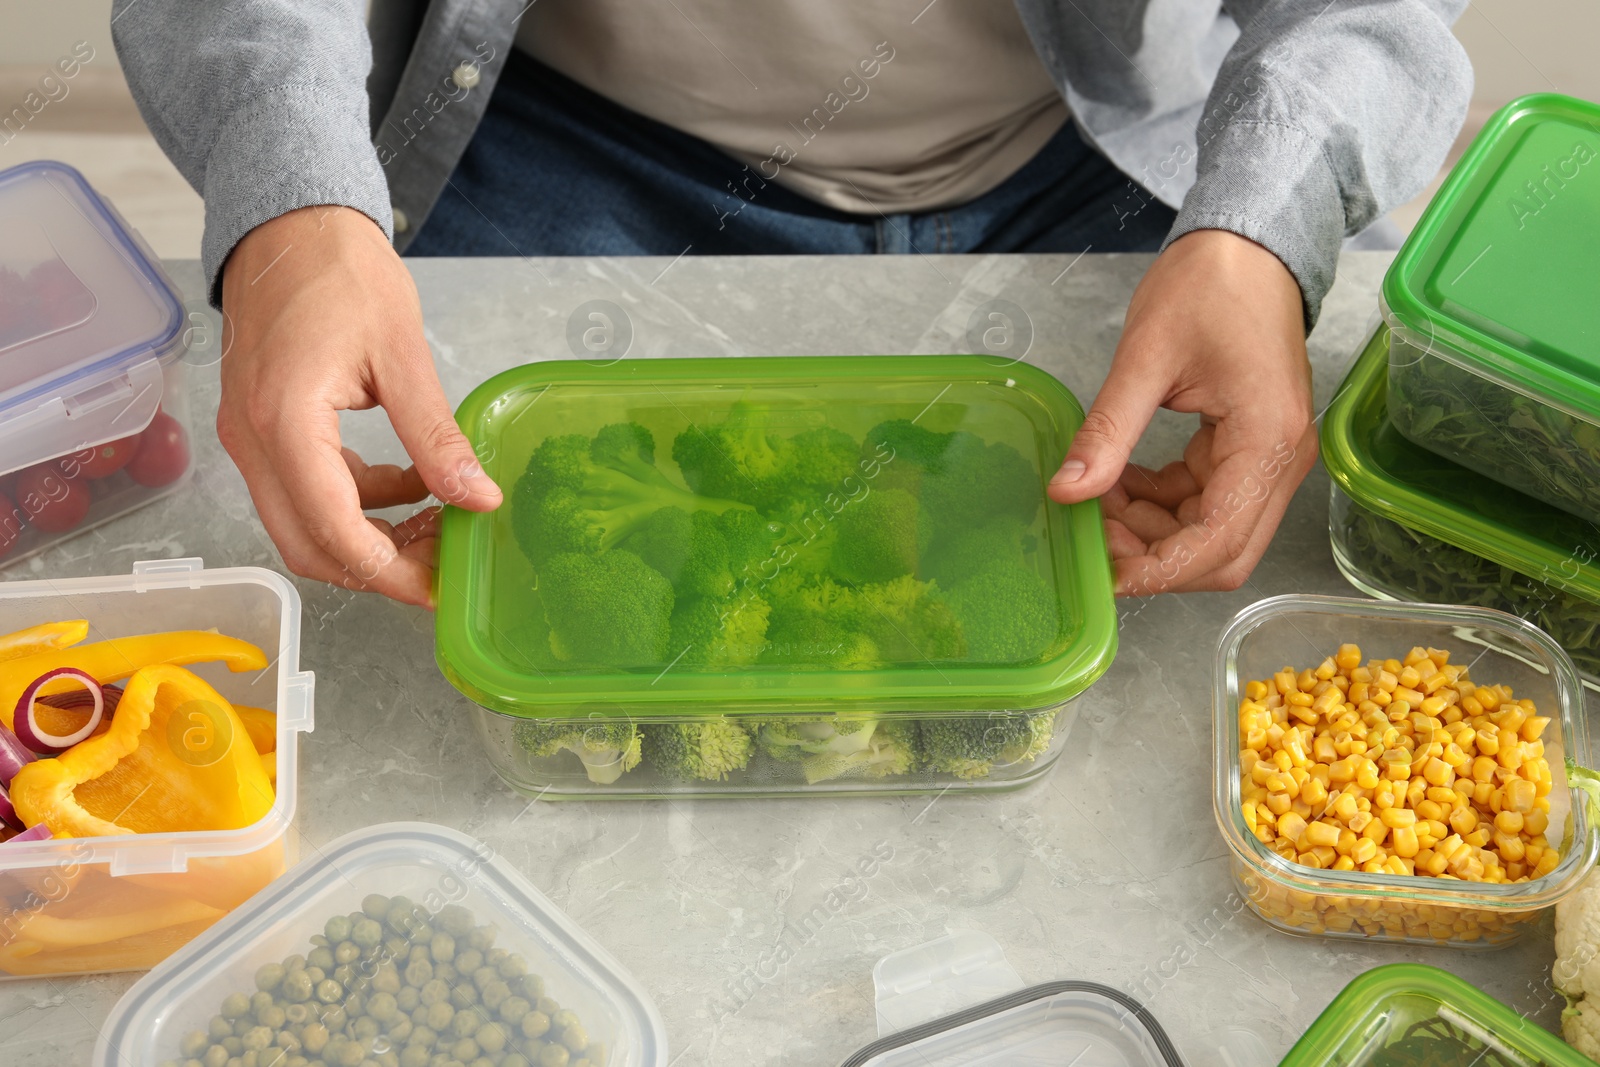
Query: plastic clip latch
[{"x": 939, "y": 978}]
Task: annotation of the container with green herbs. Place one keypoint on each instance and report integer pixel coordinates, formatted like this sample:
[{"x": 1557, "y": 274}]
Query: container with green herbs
[
  {"x": 1413, "y": 1015},
  {"x": 1494, "y": 355},
  {"x": 1407, "y": 524}
]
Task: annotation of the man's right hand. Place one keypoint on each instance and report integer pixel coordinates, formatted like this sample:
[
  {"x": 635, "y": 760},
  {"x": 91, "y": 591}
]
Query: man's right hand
[{"x": 321, "y": 316}]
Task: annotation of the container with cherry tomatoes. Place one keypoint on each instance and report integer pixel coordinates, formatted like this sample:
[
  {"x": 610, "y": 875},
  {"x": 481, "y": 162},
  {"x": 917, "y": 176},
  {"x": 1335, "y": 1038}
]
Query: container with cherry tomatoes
[{"x": 92, "y": 402}]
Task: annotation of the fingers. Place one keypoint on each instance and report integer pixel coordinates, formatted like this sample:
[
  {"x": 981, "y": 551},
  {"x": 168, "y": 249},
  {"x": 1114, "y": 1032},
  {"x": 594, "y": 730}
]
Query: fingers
[
  {"x": 332, "y": 540},
  {"x": 1101, "y": 447},
  {"x": 415, "y": 401},
  {"x": 384, "y": 485},
  {"x": 1167, "y": 487}
]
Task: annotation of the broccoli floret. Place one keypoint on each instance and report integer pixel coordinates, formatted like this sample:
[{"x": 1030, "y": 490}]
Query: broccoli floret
[
  {"x": 607, "y": 747},
  {"x": 971, "y": 747},
  {"x": 908, "y": 620},
  {"x": 807, "y": 640},
  {"x": 739, "y": 458},
  {"x": 906, "y": 441},
  {"x": 583, "y": 495},
  {"x": 612, "y": 610},
  {"x": 696, "y": 750},
  {"x": 714, "y": 632},
  {"x": 821, "y": 461},
  {"x": 958, "y": 474},
  {"x": 828, "y": 748},
  {"x": 1008, "y": 613},
  {"x": 688, "y": 549},
  {"x": 878, "y": 537},
  {"x": 959, "y": 552}
]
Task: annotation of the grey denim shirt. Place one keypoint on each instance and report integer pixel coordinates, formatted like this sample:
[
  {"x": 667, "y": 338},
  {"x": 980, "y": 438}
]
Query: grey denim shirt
[{"x": 1291, "y": 122}]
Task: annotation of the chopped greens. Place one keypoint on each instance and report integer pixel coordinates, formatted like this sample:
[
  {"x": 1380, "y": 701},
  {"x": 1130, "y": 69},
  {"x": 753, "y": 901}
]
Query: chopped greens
[{"x": 1502, "y": 434}]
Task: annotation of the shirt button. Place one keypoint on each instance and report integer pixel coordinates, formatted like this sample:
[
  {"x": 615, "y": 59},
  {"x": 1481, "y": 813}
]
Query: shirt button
[
  {"x": 401, "y": 223},
  {"x": 466, "y": 75}
]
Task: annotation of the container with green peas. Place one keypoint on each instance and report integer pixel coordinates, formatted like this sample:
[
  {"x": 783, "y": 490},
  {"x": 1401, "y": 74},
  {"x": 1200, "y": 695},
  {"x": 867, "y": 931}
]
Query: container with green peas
[{"x": 404, "y": 945}]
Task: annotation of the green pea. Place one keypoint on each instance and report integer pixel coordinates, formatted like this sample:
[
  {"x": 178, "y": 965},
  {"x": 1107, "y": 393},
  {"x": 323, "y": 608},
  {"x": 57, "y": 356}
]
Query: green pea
[
  {"x": 356, "y": 1005},
  {"x": 316, "y": 974},
  {"x": 466, "y": 1023},
  {"x": 481, "y": 1061},
  {"x": 193, "y": 1044},
  {"x": 288, "y": 1040},
  {"x": 482, "y": 937},
  {"x": 314, "y": 1038},
  {"x": 297, "y": 987},
  {"x": 421, "y": 931},
  {"x": 272, "y": 1057},
  {"x": 463, "y": 996},
  {"x": 258, "y": 1038},
  {"x": 296, "y": 1060},
  {"x": 418, "y": 973},
  {"x": 345, "y": 975},
  {"x": 346, "y": 951},
  {"x": 216, "y": 1056},
  {"x": 512, "y": 1009},
  {"x": 413, "y": 1056},
  {"x": 235, "y": 1005},
  {"x": 367, "y": 933},
  {"x": 365, "y": 1028},
  {"x": 387, "y": 980},
  {"x": 514, "y": 1059},
  {"x": 408, "y": 998},
  {"x": 400, "y": 1029},
  {"x": 168, "y": 1063},
  {"x": 422, "y": 1034},
  {"x": 442, "y": 948},
  {"x": 554, "y": 1056},
  {"x": 320, "y": 957},
  {"x": 351, "y": 1055},
  {"x": 549, "y": 1006},
  {"x": 272, "y": 1016},
  {"x": 575, "y": 1037},
  {"x": 464, "y": 1049},
  {"x": 445, "y": 972},
  {"x": 467, "y": 961},
  {"x": 337, "y": 929},
  {"x": 454, "y": 920},
  {"x": 483, "y": 976},
  {"x": 219, "y": 1028},
  {"x": 440, "y": 1014},
  {"x": 535, "y": 1024},
  {"x": 495, "y": 993},
  {"x": 294, "y": 963},
  {"x": 512, "y": 967},
  {"x": 238, "y": 1061},
  {"x": 491, "y": 1037},
  {"x": 234, "y": 1045},
  {"x": 329, "y": 991},
  {"x": 382, "y": 1007},
  {"x": 241, "y": 1026},
  {"x": 401, "y": 916},
  {"x": 268, "y": 976},
  {"x": 596, "y": 1052},
  {"x": 563, "y": 1019},
  {"x": 374, "y": 905}
]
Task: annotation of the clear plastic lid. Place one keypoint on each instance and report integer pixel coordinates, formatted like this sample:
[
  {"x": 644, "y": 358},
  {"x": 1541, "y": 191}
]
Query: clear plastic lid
[
  {"x": 824, "y": 533},
  {"x": 1498, "y": 275},
  {"x": 456, "y": 890},
  {"x": 87, "y": 317},
  {"x": 1079, "y": 1023},
  {"x": 1409, "y": 1013}
]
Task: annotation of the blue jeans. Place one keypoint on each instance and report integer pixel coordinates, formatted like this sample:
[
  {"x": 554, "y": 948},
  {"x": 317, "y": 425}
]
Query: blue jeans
[{"x": 557, "y": 170}]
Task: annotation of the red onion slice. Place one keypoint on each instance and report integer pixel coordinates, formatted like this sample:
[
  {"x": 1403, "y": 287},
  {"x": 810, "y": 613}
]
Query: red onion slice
[
  {"x": 83, "y": 698},
  {"x": 35, "y": 737},
  {"x": 14, "y": 756},
  {"x": 40, "y": 832},
  {"x": 8, "y": 813}
]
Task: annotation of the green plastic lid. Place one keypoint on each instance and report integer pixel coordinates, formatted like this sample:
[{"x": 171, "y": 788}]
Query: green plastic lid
[
  {"x": 1413, "y": 1015},
  {"x": 1382, "y": 471},
  {"x": 703, "y": 536},
  {"x": 1499, "y": 273}
]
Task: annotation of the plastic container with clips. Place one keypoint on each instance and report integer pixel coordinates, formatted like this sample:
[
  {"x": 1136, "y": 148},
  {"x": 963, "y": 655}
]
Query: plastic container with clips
[
  {"x": 125, "y": 903},
  {"x": 92, "y": 400}
]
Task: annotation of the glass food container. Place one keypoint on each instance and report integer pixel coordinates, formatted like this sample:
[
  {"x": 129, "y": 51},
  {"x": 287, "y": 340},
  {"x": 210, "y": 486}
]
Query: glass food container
[
  {"x": 92, "y": 402},
  {"x": 1407, "y": 524},
  {"x": 956, "y": 1002},
  {"x": 397, "y": 910},
  {"x": 126, "y": 902},
  {"x": 1494, "y": 357},
  {"x": 1300, "y": 631},
  {"x": 1413, "y": 1015},
  {"x": 773, "y": 576}
]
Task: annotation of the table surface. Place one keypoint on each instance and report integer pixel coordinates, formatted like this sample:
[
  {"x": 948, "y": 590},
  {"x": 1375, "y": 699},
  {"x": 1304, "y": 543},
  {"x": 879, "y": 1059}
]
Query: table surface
[{"x": 1111, "y": 869}]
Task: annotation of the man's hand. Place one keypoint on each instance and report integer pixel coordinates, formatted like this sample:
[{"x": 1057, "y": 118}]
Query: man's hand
[
  {"x": 1215, "y": 327},
  {"x": 321, "y": 316}
]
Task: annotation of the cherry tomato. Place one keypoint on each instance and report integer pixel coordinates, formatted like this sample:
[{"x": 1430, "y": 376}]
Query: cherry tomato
[
  {"x": 50, "y": 500},
  {"x": 11, "y": 521},
  {"x": 163, "y": 453},
  {"x": 100, "y": 461}
]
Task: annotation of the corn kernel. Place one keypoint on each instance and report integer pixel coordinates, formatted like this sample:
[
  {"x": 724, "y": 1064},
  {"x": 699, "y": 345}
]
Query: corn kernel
[{"x": 1321, "y": 833}]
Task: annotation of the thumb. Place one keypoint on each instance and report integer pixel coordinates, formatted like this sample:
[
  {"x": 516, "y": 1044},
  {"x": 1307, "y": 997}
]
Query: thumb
[
  {"x": 414, "y": 399},
  {"x": 1102, "y": 445}
]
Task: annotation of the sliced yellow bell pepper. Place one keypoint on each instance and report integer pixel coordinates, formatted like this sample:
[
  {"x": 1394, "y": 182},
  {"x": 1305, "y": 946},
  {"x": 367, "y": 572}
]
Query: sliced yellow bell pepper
[
  {"x": 116, "y": 659},
  {"x": 176, "y": 757},
  {"x": 262, "y": 726},
  {"x": 43, "y": 638}
]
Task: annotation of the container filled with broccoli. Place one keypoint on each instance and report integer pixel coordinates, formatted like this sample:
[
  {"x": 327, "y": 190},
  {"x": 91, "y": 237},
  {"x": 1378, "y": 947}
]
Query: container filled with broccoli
[
  {"x": 1494, "y": 356},
  {"x": 772, "y": 576},
  {"x": 401, "y": 945},
  {"x": 1408, "y": 524}
]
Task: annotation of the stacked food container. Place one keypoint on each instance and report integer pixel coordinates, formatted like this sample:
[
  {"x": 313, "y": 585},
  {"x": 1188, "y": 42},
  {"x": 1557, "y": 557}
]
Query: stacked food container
[
  {"x": 92, "y": 402},
  {"x": 1464, "y": 446},
  {"x": 772, "y": 576}
]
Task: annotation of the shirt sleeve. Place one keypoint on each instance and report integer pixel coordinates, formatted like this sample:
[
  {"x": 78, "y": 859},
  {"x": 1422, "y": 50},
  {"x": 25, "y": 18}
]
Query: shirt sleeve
[
  {"x": 1324, "y": 116},
  {"x": 261, "y": 105}
]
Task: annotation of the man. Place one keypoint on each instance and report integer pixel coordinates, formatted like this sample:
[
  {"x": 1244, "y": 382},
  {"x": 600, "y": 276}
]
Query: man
[{"x": 1244, "y": 141}]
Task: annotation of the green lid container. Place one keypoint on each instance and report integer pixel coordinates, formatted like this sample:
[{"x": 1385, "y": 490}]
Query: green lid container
[
  {"x": 1411, "y": 1015},
  {"x": 1495, "y": 309},
  {"x": 1410, "y": 525},
  {"x": 744, "y": 543}
]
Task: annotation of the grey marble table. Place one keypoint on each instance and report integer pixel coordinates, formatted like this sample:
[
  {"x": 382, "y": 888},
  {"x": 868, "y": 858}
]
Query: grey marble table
[{"x": 1111, "y": 870}]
